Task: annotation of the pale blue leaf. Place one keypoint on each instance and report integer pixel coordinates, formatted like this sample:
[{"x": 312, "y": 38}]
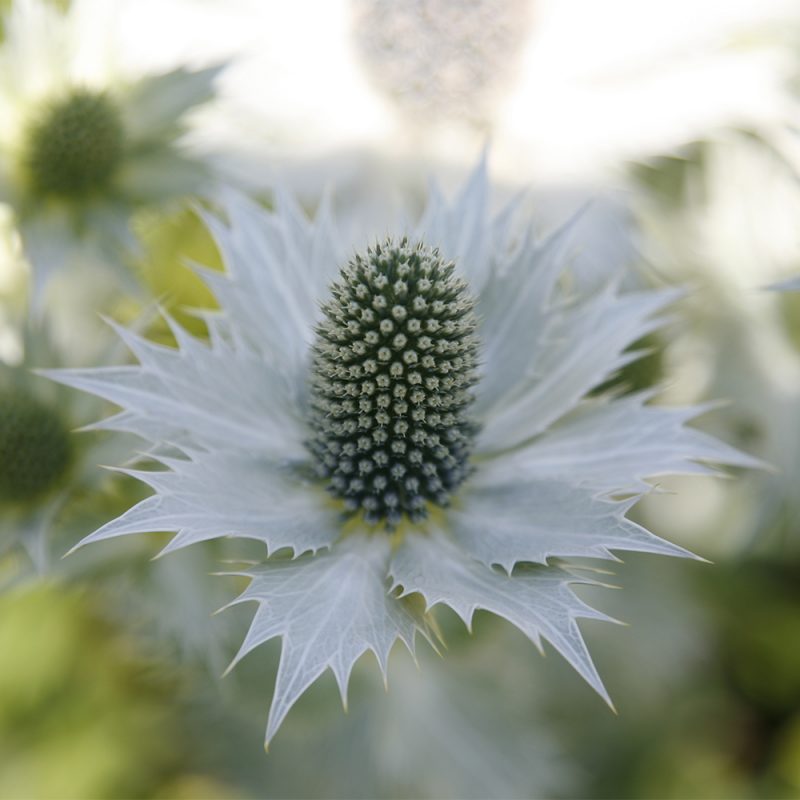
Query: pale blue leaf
[
  {"x": 532, "y": 521},
  {"x": 462, "y": 229},
  {"x": 537, "y": 600},
  {"x": 275, "y": 267},
  {"x": 154, "y": 106},
  {"x": 215, "y": 495},
  {"x": 328, "y": 610},
  {"x": 221, "y": 396},
  {"x": 579, "y": 348},
  {"x": 615, "y": 445},
  {"x": 516, "y": 308}
]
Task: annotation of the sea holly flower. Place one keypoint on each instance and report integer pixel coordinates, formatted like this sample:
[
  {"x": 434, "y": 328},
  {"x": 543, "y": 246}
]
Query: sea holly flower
[
  {"x": 411, "y": 418},
  {"x": 84, "y": 142},
  {"x": 52, "y": 490},
  {"x": 43, "y": 467}
]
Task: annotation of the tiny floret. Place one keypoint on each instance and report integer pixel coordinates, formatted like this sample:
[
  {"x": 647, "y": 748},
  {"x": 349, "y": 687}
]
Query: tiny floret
[{"x": 373, "y": 391}]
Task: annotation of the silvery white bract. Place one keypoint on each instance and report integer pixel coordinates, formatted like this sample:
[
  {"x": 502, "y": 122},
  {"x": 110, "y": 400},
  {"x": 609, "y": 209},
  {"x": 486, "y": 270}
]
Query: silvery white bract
[
  {"x": 553, "y": 472},
  {"x": 43, "y": 468},
  {"x": 85, "y": 139}
]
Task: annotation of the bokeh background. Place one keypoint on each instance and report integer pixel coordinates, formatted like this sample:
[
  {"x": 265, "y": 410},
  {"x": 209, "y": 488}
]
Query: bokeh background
[{"x": 678, "y": 122}]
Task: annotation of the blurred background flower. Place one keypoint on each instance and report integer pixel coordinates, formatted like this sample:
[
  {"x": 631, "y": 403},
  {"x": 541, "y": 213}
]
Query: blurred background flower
[{"x": 86, "y": 140}]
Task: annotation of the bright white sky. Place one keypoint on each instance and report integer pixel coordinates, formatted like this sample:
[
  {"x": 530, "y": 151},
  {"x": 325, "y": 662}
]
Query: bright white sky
[{"x": 599, "y": 81}]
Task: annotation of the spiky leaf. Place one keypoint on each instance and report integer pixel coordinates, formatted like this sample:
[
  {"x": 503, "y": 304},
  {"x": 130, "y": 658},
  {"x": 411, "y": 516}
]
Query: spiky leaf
[
  {"x": 328, "y": 610},
  {"x": 537, "y": 600},
  {"x": 613, "y": 445},
  {"x": 538, "y": 519},
  {"x": 212, "y": 495}
]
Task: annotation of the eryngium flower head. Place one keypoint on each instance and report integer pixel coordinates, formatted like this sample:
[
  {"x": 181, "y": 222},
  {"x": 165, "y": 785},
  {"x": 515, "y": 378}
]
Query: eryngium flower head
[
  {"x": 86, "y": 140},
  {"x": 268, "y": 422},
  {"x": 393, "y": 364}
]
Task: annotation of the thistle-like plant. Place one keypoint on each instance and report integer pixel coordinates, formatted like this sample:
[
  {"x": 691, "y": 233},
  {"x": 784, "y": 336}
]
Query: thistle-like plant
[
  {"x": 84, "y": 141},
  {"x": 43, "y": 467},
  {"x": 409, "y": 419}
]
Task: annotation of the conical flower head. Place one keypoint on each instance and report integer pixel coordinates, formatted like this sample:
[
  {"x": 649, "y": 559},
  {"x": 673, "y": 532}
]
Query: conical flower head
[
  {"x": 449, "y": 369},
  {"x": 393, "y": 365}
]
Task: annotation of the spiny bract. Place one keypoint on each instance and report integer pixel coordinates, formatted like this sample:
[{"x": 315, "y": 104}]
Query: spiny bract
[{"x": 393, "y": 364}]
